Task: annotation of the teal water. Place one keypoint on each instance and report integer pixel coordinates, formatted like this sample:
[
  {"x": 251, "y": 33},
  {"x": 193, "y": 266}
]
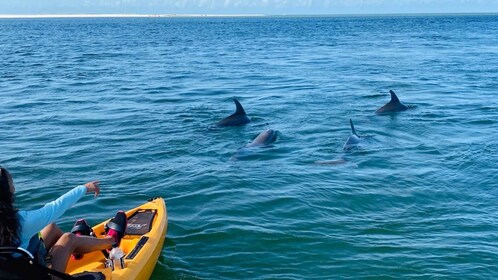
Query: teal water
[{"x": 130, "y": 102}]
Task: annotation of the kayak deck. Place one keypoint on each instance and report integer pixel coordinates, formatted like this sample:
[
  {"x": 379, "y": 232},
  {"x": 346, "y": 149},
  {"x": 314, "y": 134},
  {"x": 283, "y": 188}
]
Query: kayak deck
[{"x": 142, "y": 244}]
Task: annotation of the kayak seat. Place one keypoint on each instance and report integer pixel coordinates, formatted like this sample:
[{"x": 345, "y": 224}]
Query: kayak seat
[{"x": 19, "y": 264}]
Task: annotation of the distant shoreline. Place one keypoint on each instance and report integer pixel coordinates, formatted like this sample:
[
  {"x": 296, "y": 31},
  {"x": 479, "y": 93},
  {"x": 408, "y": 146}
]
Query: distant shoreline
[
  {"x": 128, "y": 15},
  {"x": 27, "y": 16}
]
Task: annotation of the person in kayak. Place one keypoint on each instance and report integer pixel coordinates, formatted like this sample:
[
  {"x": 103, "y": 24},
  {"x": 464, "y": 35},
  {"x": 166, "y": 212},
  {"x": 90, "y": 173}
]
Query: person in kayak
[{"x": 35, "y": 230}]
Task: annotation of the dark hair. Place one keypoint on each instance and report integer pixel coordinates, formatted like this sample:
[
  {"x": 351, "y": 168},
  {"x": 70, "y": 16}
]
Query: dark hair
[{"x": 9, "y": 221}]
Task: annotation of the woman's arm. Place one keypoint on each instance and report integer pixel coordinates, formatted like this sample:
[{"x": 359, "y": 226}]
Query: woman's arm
[{"x": 35, "y": 220}]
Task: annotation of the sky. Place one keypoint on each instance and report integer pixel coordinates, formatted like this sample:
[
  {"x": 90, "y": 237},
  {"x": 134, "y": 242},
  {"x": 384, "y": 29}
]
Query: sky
[{"x": 268, "y": 7}]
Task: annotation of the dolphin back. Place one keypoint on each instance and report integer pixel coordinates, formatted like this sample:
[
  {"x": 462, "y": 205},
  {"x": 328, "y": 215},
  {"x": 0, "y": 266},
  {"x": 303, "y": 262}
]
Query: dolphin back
[
  {"x": 236, "y": 119},
  {"x": 353, "y": 139},
  {"x": 392, "y": 106},
  {"x": 264, "y": 138}
]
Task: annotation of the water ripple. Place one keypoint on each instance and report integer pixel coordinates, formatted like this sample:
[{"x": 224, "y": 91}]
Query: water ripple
[{"x": 131, "y": 102}]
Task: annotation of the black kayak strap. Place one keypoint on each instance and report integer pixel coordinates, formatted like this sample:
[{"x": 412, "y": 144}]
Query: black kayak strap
[
  {"x": 117, "y": 227},
  {"x": 65, "y": 276},
  {"x": 56, "y": 273}
]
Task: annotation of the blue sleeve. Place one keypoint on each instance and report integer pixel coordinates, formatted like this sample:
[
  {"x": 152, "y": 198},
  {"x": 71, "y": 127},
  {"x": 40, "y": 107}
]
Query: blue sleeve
[{"x": 35, "y": 220}]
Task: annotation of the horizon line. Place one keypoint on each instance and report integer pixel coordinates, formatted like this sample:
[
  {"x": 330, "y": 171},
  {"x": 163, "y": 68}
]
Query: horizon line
[
  {"x": 123, "y": 15},
  {"x": 20, "y": 16}
]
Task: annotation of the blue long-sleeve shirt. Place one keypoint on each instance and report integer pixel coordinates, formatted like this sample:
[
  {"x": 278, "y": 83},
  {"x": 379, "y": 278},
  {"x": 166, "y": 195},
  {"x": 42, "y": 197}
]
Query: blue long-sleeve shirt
[{"x": 34, "y": 221}]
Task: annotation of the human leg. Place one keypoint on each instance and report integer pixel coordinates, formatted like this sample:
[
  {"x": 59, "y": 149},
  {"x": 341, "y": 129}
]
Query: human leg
[
  {"x": 66, "y": 244},
  {"x": 69, "y": 243},
  {"x": 50, "y": 234}
]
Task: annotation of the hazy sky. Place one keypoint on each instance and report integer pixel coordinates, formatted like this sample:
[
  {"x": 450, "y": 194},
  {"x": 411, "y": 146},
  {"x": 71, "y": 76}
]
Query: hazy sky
[{"x": 271, "y": 7}]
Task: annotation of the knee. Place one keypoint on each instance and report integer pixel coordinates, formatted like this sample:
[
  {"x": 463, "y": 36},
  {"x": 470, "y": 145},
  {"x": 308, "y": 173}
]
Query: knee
[
  {"x": 67, "y": 239},
  {"x": 51, "y": 226}
]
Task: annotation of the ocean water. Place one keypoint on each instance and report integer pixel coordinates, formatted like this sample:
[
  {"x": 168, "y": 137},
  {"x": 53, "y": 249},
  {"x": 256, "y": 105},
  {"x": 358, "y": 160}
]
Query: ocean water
[{"x": 132, "y": 101}]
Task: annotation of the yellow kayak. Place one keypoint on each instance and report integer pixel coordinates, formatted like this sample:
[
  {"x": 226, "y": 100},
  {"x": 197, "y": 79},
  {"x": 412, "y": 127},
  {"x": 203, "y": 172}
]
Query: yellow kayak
[{"x": 142, "y": 244}]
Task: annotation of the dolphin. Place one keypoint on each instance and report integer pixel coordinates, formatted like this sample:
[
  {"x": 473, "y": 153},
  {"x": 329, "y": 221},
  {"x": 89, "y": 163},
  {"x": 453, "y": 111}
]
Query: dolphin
[
  {"x": 236, "y": 119},
  {"x": 352, "y": 143},
  {"x": 263, "y": 139},
  {"x": 392, "y": 106},
  {"x": 353, "y": 140}
]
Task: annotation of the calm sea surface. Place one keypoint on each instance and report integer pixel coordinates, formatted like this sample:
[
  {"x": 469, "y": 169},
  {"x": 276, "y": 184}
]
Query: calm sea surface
[{"x": 130, "y": 102}]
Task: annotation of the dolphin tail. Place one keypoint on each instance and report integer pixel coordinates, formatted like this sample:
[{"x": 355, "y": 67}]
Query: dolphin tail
[
  {"x": 352, "y": 127},
  {"x": 394, "y": 98},
  {"x": 239, "y": 109}
]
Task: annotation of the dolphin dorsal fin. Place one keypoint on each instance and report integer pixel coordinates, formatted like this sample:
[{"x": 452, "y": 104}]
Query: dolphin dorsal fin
[
  {"x": 394, "y": 98},
  {"x": 239, "y": 109},
  {"x": 353, "y": 131}
]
